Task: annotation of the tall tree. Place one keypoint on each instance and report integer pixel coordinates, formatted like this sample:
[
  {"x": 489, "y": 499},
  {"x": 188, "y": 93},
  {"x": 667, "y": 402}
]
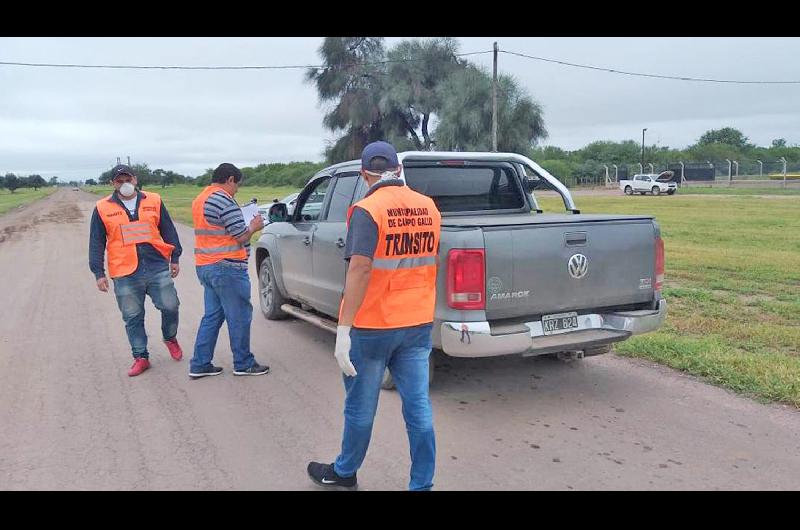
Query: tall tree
[
  {"x": 416, "y": 71},
  {"x": 727, "y": 136},
  {"x": 11, "y": 182},
  {"x": 36, "y": 181},
  {"x": 352, "y": 81},
  {"x": 466, "y": 114}
]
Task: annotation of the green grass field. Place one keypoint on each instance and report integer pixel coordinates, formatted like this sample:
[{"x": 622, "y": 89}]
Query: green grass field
[
  {"x": 732, "y": 285},
  {"x": 178, "y": 199},
  {"x": 724, "y": 190},
  {"x": 9, "y": 201}
]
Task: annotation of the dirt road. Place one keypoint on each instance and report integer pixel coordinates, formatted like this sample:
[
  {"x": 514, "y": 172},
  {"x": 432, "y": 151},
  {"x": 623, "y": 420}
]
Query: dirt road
[{"x": 70, "y": 418}]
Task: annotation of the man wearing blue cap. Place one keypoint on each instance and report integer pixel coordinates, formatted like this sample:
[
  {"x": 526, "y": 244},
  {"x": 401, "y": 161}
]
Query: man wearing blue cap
[{"x": 386, "y": 316}]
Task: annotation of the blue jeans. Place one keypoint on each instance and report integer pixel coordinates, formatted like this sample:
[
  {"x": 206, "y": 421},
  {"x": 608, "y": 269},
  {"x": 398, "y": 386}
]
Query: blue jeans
[
  {"x": 131, "y": 290},
  {"x": 406, "y": 352},
  {"x": 227, "y": 299}
]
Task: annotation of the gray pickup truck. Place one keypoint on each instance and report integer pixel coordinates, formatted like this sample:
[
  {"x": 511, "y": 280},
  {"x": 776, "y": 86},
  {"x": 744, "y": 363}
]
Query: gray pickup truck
[{"x": 511, "y": 279}]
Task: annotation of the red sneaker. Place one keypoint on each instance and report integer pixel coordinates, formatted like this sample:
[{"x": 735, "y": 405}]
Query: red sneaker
[
  {"x": 174, "y": 349},
  {"x": 139, "y": 366}
]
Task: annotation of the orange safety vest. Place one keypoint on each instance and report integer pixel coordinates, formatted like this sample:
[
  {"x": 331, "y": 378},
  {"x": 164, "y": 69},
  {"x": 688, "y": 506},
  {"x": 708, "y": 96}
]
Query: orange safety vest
[
  {"x": 211, "y": 242},
  {"x": 122, "y": 234},
  {"x": 402, "y": 284}
]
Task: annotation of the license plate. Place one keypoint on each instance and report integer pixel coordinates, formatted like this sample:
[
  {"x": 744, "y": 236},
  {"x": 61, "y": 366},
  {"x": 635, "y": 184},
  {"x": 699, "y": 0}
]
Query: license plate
[{"x": 552, "y": 324}]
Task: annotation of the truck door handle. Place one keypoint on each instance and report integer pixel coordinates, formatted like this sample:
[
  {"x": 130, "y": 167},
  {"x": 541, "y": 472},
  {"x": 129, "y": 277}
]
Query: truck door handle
[
  {"x": 340, "y": 242},
  {"x": 306, "y": 240}
]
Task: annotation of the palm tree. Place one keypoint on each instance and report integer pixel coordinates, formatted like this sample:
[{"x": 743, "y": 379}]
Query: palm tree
[
  {"x": 352, "y": 80},
  {"x": 416, "y": 70},
  {"x": 466, "y": 114}
]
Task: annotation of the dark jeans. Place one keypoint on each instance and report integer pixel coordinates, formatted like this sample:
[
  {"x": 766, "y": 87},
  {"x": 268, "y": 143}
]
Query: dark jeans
[
  {"x": 131, "y": 290},
  {"x": 227, "y": 299},
  {"x": 406, "y": 352}
]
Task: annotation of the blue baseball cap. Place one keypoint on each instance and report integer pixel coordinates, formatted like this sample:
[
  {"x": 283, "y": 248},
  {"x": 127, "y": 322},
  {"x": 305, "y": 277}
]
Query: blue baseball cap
[{"x": 379, "y": 150}]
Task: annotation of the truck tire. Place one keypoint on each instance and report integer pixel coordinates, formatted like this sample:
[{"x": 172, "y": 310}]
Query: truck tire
[
  {"x": 628, "y": 190},
  {"x": 655, "y": 190},
  {"x": 388, "y": 382},
  {"x": 671, "y": 192},
  {"x": 269, "y": 296}
]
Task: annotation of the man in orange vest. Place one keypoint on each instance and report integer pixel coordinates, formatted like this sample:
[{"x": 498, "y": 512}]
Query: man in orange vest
[
  {"x": 386, "y": 316},
  {"x": 221, "y": 252},
  {"x": 143, "y": 251}
]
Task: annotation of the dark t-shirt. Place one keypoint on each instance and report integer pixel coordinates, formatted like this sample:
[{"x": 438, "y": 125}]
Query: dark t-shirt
[{"x": 362, "y": 235}]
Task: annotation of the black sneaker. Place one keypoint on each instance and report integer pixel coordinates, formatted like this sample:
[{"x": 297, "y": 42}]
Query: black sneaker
[
  {"x": 324, "y": 475},
  {"x": 256, "y": 369},
  {"x": 204, "y": 372}
]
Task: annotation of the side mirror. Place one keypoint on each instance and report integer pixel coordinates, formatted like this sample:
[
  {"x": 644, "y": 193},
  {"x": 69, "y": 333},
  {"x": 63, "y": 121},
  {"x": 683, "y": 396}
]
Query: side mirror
[{"x": 278, "y": 213}]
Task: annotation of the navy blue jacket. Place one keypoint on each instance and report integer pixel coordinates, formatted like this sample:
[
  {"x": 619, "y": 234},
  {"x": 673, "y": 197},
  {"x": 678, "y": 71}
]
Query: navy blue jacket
[{"x": 148, "y": 256}]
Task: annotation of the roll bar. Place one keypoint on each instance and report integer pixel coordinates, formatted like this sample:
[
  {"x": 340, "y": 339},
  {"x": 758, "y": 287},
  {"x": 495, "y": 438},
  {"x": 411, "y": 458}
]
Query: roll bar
[{"x": 562, "y": 190}]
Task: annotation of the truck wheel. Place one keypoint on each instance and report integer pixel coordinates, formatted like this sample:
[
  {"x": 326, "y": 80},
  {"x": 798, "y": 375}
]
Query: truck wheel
[
  {"x": 269, "y": 295},
  {"x": 388, "y": 382},
  {"x": 671, "y": 192},
  {"x": 628, "y": 190},
  {"x": 655, "y": 190}
]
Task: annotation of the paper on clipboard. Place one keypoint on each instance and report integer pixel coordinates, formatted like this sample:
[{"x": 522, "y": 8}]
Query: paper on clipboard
[{"x": 249, "y": 211}]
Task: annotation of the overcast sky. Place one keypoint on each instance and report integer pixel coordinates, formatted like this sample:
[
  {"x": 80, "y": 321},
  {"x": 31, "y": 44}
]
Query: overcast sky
[{"x": 73, "y": 123}]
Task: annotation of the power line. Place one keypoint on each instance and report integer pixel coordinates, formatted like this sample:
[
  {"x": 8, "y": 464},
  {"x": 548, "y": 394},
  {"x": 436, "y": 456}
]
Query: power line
[
  {"x": 258, "y": 67},
  {"x": 319, "y": 66},
  {"x": 657, "y": 76}
]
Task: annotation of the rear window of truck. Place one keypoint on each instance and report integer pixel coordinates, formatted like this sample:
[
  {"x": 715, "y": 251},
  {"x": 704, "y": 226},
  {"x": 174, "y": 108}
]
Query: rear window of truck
[{"x": 467, "y": 188}]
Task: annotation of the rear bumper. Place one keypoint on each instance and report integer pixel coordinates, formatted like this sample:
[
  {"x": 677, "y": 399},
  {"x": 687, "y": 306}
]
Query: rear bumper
[{"x": 475, "y": 339}]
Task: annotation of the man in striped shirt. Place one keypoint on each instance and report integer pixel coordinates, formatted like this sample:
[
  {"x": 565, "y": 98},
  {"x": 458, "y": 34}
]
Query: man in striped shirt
[{"x": 222, "y": 249}]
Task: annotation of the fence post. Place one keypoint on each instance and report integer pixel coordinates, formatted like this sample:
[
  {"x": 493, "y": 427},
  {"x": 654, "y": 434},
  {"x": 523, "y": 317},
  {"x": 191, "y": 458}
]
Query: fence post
[
  {"x": 784, "y": 171},
  {"x": 730, "y": 166}
]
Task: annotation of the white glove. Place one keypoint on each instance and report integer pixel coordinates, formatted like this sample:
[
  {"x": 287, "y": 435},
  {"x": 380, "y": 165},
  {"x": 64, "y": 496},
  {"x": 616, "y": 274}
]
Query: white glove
[{"x": 342, "y": 351}]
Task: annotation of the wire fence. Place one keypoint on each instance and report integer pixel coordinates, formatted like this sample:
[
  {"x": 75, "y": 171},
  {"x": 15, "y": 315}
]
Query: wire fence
[{"x": 743, "y": 172}]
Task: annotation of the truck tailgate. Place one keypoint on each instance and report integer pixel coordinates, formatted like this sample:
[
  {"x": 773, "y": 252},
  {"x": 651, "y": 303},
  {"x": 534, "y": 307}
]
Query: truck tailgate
[{"x": 528, "y": 265}]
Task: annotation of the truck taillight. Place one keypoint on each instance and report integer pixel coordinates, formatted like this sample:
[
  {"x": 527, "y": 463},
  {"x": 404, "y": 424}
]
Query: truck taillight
[
  {"x": 465, "y": 278},
  {"x": 659, "y": 263}
]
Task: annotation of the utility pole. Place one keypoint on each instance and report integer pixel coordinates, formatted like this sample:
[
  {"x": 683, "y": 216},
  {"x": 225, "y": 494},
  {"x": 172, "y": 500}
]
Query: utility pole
[
  {"x": 642, "y": 163},
  {"x": 118, "y": 161},
  {"x": 129, "y": 161},
  {"x": 494, "y": 101}
]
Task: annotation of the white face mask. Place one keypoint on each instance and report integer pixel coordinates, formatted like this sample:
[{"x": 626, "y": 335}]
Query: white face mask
[
  {"x": 385, "y": 175},
  {"x": 127, "y": 189}
]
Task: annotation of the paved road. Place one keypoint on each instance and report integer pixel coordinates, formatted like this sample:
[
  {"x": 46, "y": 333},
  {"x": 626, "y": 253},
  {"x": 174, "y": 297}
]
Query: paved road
[{"x": 70, "y": 418}]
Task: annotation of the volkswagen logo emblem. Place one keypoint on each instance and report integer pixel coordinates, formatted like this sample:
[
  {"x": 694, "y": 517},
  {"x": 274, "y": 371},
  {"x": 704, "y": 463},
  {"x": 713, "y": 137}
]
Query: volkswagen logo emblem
[{"x": 578, "y": 266}]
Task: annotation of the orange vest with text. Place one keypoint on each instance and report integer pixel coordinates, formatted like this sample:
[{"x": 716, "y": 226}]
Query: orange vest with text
[
  {"x": 122, "y": 234},
  {"x": 211, "y": 242},
  {"x": 402, "y": 284}
]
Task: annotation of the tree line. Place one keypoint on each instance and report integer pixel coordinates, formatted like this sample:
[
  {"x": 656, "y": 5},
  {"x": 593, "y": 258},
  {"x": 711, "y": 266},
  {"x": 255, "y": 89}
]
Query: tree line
[
  {"x": 714, "y": 146},
  {"x": 13, "y": 182}
]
